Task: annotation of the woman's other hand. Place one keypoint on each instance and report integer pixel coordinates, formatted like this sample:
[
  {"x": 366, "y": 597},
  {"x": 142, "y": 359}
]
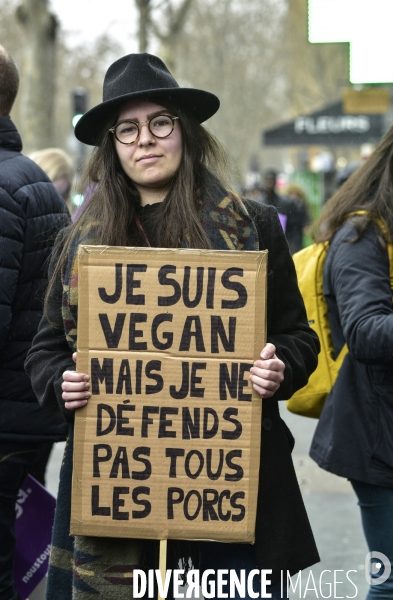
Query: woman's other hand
[
  {"x": 267, "y": 372},
  {"x": 75, "y": 388}
]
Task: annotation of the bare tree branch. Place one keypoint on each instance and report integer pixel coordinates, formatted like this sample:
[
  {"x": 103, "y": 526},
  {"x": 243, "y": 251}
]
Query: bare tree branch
[
  {"x": 157, "y": 32},
  {"x": 174, "y": 19},
  {"x": 159, "y": 5},
  {"x": 180, "y": 16}
]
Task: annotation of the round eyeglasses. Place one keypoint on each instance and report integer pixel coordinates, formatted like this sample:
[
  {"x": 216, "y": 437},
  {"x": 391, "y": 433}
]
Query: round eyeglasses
[{"x": 127, "y": 132}]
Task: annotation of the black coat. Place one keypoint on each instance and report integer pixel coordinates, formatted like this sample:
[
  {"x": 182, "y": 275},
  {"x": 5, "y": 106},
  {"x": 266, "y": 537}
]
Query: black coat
[
  {"x": 283, "y": 535},
  {"x": 31, "y": 214},
  {"x": 354, "y": 436},
  {"x": 296, "y": 214}
]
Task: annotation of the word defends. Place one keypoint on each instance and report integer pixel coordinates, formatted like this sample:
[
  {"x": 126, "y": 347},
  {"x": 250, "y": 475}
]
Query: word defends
[{"x": 168, "y": 445}]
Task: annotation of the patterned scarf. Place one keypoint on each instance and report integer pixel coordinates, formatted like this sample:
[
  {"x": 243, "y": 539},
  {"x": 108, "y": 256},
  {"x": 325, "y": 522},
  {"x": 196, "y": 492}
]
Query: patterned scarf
[{"x": 224, "y": 218}]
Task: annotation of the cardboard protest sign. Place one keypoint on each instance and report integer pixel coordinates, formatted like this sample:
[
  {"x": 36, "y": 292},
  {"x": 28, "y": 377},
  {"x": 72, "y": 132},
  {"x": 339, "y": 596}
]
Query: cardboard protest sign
[
  {"x": 35, "y": 511},
  {"x": 168, "y": 445}
]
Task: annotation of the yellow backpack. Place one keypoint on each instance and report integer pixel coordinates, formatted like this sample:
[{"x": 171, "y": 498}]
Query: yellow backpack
[{"x": 309, "y": 262}]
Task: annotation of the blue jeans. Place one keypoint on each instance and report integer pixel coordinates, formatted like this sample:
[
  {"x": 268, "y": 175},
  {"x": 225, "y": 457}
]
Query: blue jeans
[
  {"x": 376, "y": 505},
  {"x": 236, "y": 556}
]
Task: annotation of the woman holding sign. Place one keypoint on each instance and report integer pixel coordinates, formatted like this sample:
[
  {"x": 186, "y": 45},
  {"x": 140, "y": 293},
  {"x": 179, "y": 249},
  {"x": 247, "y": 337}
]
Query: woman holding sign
[{"x": 155, "y": 177}]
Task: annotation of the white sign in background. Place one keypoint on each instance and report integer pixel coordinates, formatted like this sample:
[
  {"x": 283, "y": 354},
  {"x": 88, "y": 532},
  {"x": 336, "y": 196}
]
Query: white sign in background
[{"x": 366, "y": 26}]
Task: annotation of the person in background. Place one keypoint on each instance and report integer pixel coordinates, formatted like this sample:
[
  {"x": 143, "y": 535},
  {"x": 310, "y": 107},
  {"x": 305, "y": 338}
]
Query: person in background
[
  {"x": 354, "y": 435},
  {"x": 284, "y": 206},
  {"x": 300, "y": 218},
  {"x": 59, "y": 167},
  {"x": 269, "y": 195},
  {"x": 31, "y": 214},
  {"x": 254, "y": 193},
  {"x": 344, "y": 174}
]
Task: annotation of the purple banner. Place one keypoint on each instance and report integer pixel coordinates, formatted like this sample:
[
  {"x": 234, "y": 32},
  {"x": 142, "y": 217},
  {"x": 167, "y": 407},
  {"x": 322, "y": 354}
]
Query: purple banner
[
  {"x": 283, "y": 220},
  {"x": 35, "y": 510}
]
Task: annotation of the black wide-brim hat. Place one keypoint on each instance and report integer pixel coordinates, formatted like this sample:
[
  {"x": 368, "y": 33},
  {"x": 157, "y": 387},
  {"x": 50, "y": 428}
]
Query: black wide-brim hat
[{"x": 141, "y": 76}]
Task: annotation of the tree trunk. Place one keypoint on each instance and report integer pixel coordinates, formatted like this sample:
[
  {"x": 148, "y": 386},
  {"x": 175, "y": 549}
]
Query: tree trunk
[
  {"x": 168, "y": 52},
  {"x": 144, "y": 21},
  {"x": 176, "y": 18},
  {"x": 38, "y": 74}
]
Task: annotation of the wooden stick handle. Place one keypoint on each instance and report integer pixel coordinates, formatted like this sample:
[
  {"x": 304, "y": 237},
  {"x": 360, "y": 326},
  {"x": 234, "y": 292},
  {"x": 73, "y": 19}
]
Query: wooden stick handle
[{"x": 162, "y": 564}]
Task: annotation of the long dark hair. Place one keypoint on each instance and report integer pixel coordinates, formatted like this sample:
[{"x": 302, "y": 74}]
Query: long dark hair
[
  {"x": 112, "y": 207},
  {"x": 369, "y": 188}
]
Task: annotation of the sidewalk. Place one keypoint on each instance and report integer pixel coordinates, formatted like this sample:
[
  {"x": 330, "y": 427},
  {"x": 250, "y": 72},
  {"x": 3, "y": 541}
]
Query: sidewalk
[{"x": 335, "y": 519}]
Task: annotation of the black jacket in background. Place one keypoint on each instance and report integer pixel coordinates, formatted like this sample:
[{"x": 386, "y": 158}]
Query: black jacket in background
[
  {"x": 31, "y": 214},
  {"x": 296, "y": 218},
  {"x": 354, "y": 436}
]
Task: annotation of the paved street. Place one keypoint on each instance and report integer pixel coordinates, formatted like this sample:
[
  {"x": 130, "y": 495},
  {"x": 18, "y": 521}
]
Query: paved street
[
  {"x": 335, "y": 518},
  {"x": 334, "y": 515}
]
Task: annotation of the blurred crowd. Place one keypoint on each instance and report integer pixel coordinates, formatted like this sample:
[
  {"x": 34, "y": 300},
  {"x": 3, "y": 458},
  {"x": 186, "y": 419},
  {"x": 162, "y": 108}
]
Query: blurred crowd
[{"x": 291, "y": 206}]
